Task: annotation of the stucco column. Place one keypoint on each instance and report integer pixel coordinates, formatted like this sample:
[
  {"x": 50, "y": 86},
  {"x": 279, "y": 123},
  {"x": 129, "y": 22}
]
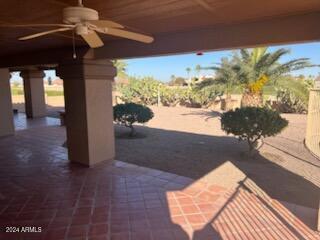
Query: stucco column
[
  {"x": 89, "y": 113},
  {"x": 6, "y": 112},
  {"x": 35, "y": 103}
]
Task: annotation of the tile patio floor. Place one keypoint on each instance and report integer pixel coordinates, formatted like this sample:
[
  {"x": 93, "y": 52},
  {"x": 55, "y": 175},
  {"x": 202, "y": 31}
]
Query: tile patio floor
[{"x": 40, "y": 188}]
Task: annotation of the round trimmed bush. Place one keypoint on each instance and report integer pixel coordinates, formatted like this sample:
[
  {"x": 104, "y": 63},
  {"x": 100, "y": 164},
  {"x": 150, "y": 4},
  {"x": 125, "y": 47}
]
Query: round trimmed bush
[
  {"x": 252, "y": 123},
  {"x": 129, "y": 113}
]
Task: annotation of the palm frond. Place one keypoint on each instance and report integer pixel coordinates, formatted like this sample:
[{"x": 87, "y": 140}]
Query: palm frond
[{"x": 257, "y": 53}]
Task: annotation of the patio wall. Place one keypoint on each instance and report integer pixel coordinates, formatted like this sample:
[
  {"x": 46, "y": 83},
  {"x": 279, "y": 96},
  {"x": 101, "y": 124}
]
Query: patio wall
[{"x": 313, "y": 125}]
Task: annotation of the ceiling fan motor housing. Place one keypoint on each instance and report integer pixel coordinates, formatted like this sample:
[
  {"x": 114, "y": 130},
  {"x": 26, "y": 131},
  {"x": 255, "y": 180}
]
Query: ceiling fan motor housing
[{"x": 74, "y": 15}]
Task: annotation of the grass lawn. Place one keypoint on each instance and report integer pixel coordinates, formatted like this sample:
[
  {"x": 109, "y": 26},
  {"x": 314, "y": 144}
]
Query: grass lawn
[{"x": 49, "y": 92}]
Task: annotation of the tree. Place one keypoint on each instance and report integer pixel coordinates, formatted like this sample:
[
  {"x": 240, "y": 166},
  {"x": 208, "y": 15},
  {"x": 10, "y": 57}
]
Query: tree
[
  {"x": 177, "y": 81},
  {"x": 130, "y": 113},
  {"x": 252, "y": 124},
  {"x": 49, "y": 81},
  {"x": 198, "y": 70},
  {"x": 121, "y": 66},
  {"x": 188, "y": 73},
  {"x": 253, "y": 69},
  {"x": 226, "y": 80}
]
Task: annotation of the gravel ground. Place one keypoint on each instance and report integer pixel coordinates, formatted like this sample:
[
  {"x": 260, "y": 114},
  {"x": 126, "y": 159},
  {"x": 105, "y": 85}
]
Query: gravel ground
[{"x": 189, "y": 142}]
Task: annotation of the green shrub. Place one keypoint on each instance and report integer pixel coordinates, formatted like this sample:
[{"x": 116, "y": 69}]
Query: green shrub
[
  {"x": 252, "y": 123},
  {"x": 172, "y": 96},
  {"x": 290, "y": 102},
  {"x": 205, "y": 96},
  {"x": 129, "y": 113},
  {"x": 292, "y": 94},
  {"x": 140, "y": 90},
  {"x": 146, "y": 90}
]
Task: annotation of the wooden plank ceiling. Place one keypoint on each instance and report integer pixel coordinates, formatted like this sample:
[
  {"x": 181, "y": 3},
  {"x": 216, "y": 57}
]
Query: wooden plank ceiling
[{"x": 151, "y": 16}]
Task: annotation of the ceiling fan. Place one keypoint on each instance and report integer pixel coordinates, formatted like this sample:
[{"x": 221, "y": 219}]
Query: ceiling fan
[{"x": 85, "y": 22}]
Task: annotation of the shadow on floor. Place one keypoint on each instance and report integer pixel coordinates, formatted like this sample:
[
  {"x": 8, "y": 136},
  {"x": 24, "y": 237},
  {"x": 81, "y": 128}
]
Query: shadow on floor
[
  {"x": 123, "y": 201},
  {"x": 195, "y": 156},
  {"x": 206, "y": 114},
  {"x": 52, "y": 111}
]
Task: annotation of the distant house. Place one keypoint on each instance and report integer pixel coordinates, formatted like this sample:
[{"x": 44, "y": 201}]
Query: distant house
[
  {"x": 208, "y": 76},
  {"x": 57, "y": 82}
]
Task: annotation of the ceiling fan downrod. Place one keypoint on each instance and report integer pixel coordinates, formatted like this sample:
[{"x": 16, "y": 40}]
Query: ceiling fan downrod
[{"x": 80, "y": 3}]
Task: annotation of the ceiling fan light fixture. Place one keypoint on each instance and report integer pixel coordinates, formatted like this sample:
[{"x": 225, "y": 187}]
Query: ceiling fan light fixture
[
  {"x": 82, "y": 29},
  {"x": 73, "y": 15},
  {"x": 85, "y": 22}
]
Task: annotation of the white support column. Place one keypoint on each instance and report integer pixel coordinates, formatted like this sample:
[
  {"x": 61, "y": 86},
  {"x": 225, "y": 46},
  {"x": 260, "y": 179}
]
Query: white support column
[
  {"x": 6, "y": 112},
  {"x": 35, "y": 103},
  {"x": 89, "y": 112}
]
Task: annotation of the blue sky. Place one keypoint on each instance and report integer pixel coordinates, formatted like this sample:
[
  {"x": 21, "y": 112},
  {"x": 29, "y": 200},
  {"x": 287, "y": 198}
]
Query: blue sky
[{"x": 163, "y": 67}]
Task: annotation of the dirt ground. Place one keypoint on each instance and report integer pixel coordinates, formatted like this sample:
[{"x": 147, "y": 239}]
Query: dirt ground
[{"x": 190, "y": 142}]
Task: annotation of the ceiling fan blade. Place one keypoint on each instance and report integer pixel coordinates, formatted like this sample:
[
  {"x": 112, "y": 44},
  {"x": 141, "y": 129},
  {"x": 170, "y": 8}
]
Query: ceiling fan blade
[
  {"x": 105, "y": 24},
  {"x": 93, "y": 39},
  {"x": 127, "y": 34},
  {"x": 44, "y": 33},
  {"x": 36, "y": 25}
]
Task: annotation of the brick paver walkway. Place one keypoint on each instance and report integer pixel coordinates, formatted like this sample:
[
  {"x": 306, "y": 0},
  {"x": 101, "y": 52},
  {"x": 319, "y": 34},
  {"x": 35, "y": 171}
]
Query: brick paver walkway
[{"x": 40, "y": 188}]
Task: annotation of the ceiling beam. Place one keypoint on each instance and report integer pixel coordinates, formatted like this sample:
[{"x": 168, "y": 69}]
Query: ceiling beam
[
  {"x": 273, "y": 31},
  {"x": 205, "y": 5},
  {"x": 44, "y": 57}
]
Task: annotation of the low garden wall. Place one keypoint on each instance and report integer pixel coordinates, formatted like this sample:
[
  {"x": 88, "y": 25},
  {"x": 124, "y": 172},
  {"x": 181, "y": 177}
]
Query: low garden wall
[{"x": 313, "y": 124}]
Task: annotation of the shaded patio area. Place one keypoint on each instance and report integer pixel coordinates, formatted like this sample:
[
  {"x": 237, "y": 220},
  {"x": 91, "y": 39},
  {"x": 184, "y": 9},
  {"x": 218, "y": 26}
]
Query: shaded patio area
[{"x": 40, "y": 188}]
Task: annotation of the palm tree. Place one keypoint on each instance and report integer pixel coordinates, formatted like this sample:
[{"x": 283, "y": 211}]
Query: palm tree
[
  {"x": 255, "y": 68},
  {"x": 225, "y": 80},
  {"x": 252, "y": 69},
  {"x": 197, "y": 70},
  {"x": 188, "y": 72},
  {"x": 121, "y": 66}
]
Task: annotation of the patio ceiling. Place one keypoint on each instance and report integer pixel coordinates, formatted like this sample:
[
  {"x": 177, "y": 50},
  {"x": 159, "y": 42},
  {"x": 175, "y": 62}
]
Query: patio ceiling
[{"x": 178, "y": 26}]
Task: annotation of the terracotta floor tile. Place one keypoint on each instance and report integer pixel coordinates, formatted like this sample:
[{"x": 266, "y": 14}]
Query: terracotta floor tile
[
  {"x": 163, "y": 235},
  {"x": 174, "y": 211},
  {"x": 98, "y": 229},
  {"x": 143, "y": 235},
  {"x": 78, "y": 231},
  {"x": 120, "y": 236},
  {"x": 59, "y": 222},
  {"x": 190, "y": 209},
  {"x": 81, "y": 220},
  {"x": 195, "y": 219},
  {"x": 119, "y": 227},
  {"x": 131, "y": 202},
  {"x": 101, "y": 237},
  {"x": 185, "y": 200},
  {"x": 56, "y": 234},
  {"x": 99, "y": 218},
  {"x": 181, "y": 220}
]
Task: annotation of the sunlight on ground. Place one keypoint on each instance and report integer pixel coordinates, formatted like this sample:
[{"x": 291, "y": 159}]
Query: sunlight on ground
[{"x": 246, "y": 212}]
